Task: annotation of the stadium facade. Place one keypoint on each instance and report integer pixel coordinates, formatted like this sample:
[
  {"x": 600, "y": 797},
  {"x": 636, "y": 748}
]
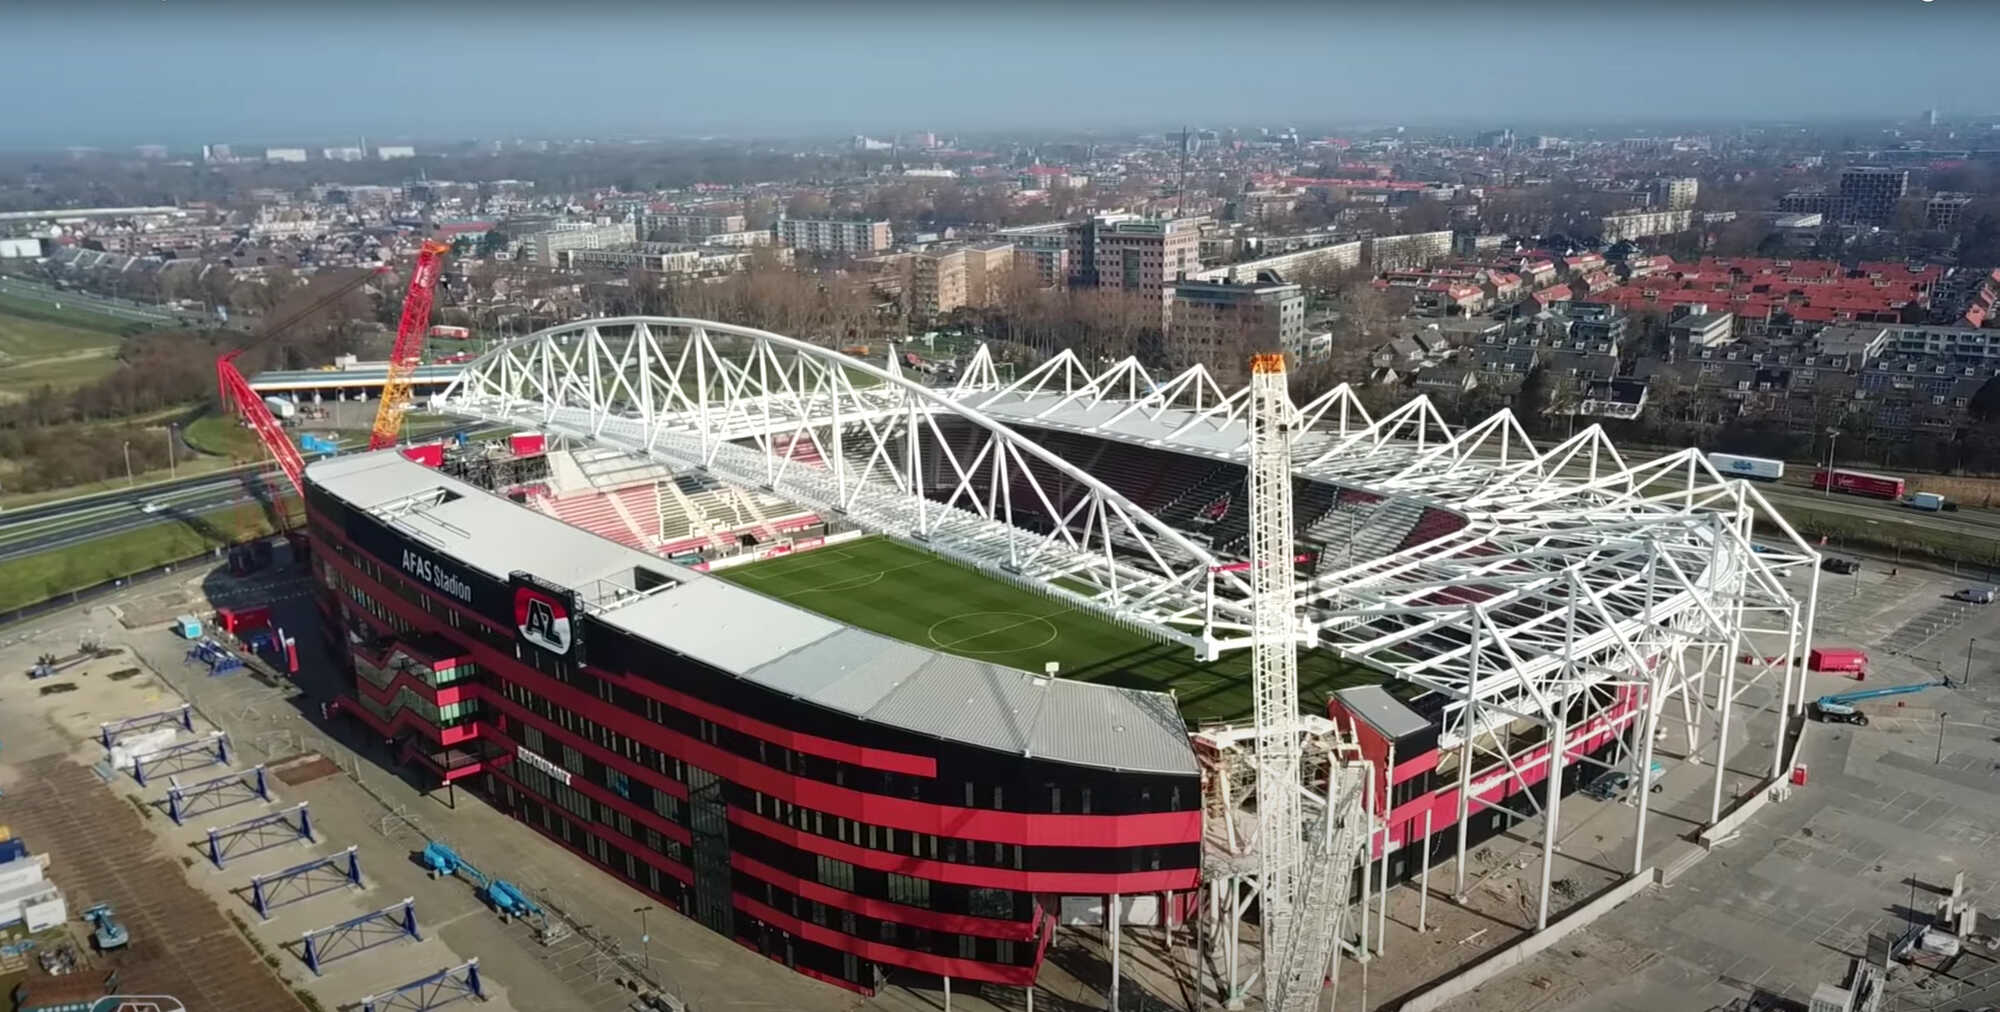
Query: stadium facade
[
  {"x": 841, "y": 802},
  {"x": 849, "y": 803}
]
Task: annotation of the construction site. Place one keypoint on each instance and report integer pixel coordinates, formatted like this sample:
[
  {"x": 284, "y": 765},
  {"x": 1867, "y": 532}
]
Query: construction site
[{"x": 1089, "y": 688}]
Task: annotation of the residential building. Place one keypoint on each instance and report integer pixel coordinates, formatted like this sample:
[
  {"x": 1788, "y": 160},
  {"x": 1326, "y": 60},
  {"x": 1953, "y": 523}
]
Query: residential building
[
  {"x": 1696, "y": 326},
  {"x": 391, "y": 152},
  {"x": 675, "y": 226},
  {"x": 937, "y": 282},
  {"x": 546, "y": 247},
  {"x": 748, "y": 237},
  {"x": 1675, "y": 194},
  {"x": 1854, "y": 345},
  {"x": 284, "y": 154},
  {"x": 839, "y": 237},
  {"x": 1943, "y": 210},
  {"x": 1641, "y": 224},
  {"x": 653, "y": 257},
  {"x": 1048, "y": 267},
  {"x": 1598, "y": 323},
  {"x": 342, "y": 154},
  {"x": 1220, "y": 324},
  {"x": 1386, "y": 252},
  {"x": 1809, "y": 202},
  {"x": 1954, "y": 344},
  {"x": 1612, "y": 397},
  {"x": 1128, "y": 252},
  {"x": 1869, "y": 193},
  {"x": 1301, "y": 263}
]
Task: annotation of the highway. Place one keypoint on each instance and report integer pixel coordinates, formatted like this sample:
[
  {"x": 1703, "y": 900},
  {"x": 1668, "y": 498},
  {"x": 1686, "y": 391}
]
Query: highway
[
  {"x": 123, "y": 309},
  {"x": 36, "y": 529}
]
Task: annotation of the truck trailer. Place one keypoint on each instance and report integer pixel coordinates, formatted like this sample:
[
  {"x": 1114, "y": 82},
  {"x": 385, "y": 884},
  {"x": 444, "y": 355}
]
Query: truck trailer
[
  {"x": 1877, "y": 486},
  {"x": 1755, "y": 468}
]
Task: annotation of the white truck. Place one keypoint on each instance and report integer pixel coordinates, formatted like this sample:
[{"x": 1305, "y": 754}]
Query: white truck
[
  {"x": 1929, "y": 502},
  {"x": 280, "y": 407},
  {"x": 1759, "y": 468}
]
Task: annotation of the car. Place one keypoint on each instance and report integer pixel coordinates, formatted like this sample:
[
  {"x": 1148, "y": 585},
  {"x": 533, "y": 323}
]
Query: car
[
  {"x": 151, "y": 507},
  {"x": 1614, "y": 784},
  {"x": 1836, "y": 564},
  {"x": 1976, "y": 595}
]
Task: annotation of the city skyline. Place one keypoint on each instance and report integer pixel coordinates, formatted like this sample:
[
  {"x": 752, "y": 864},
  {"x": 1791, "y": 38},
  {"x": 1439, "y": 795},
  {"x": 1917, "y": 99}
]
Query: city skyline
[{"x": 188, "y": 73}]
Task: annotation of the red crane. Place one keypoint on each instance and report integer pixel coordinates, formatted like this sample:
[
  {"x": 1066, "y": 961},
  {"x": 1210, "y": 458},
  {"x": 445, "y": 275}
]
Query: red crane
[
  {"x": 237, "y": 395},
  {"x": 409, "y": 350}
]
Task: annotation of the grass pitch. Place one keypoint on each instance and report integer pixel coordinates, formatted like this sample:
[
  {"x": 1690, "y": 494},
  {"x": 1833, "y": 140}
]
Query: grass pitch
[{"x": 899, "y": 590}]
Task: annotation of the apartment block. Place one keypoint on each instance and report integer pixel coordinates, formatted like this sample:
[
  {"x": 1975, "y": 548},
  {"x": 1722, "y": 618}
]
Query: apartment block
[
  {"x": 548, "y": 246},
  {"x": 679, "y": 227},
  {"x": 284, "y": 154},
  {"x": 942, "y": 280},
  {"x": 1943, "y": 210},
  {"x": 1676, "y": 194},
  {"x": 1220, "y": 324},
  {"x": 853, "y": 238},
  {"x": 1642, "y": 224}
]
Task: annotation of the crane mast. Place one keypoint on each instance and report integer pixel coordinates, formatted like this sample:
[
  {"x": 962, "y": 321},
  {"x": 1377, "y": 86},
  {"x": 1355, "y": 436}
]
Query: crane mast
[
  {"x": 409, "y": 350},
  {"x": 1275, "y": 665}
]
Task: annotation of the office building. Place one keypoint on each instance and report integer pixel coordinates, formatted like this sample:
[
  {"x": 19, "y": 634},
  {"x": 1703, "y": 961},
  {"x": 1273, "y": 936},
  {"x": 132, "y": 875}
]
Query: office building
[
  {"x": 1869, "y": 193},
  {"x": 390, "y": 152},
  {"x": 284, "y": 154},
  {"x": 1220, "y": 324},
  {"x": 848, "y": 238},
  {"x": 652, "y": 257},
  {"x": 1128, "y": 252},
  {"x": 1675, "y": 194},
  {"x": 341, "y": 154}
]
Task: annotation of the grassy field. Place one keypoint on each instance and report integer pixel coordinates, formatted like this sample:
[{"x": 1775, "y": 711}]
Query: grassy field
[
  {"x": 44, "y": 346},
  {"x": 39, "y": 577},
  {"x": 902, "y": 591}
]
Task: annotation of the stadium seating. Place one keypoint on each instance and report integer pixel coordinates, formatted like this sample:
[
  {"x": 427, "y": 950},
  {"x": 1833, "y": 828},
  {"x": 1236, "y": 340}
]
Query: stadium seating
[{"x": 1432, "y": 525}]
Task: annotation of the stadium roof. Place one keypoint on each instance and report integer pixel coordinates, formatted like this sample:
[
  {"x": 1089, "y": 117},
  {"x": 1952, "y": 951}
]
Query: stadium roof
[{"x": 766, "y": 641}]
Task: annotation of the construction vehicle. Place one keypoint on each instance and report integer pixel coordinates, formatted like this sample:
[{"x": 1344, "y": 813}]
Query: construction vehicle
[
  {"x": 508, "y": 899},
  {"x": 409, "y": 350},
  {"x": 248, "y": 405},
  {"x": 1840, "y": 709},
  {"x": 107, "y": 932}
]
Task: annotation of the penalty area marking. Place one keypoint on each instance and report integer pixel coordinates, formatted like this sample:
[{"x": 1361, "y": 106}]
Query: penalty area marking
[
  {"x": 956, "y": 645},
  {"x": 858, "y": 582}
]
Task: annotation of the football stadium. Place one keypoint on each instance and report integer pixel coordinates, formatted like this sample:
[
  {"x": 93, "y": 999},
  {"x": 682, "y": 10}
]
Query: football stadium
[{"x": 892, "y": 670}]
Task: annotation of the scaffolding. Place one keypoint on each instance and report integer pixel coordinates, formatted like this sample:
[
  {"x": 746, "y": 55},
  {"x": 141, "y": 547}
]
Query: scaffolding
[
  {"x": 260, "y": 833},
  {"x": 316, "y": 877},
  {"x": 210, "y": 751},
  {"x": 433, "y": 992},
  {"x": 216, "y": 793},
  {"x": 392, "y": 923},
  {"x": 111, "y": 731}
]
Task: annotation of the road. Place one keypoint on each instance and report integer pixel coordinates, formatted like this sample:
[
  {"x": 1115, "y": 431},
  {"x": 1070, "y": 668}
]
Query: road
[
  {"x": 37, "y": 529},
  {"x": 123, "y": 309}
]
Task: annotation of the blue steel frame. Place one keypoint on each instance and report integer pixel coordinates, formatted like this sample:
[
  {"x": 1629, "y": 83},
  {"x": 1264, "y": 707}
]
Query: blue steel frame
[
  {"x": 183, "y": 715},
  {"x": 361, "y": 934},
  {"x": 179, "y": 797},
  {"x": 216, "y": 740},
  {"x": 265, "y": 888},
  {"x": 433, "y": 992},
  {"x": 220, "y": 838}
]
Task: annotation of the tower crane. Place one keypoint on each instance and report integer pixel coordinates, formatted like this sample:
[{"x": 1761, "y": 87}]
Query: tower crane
[{"x": 409, "y": 350}]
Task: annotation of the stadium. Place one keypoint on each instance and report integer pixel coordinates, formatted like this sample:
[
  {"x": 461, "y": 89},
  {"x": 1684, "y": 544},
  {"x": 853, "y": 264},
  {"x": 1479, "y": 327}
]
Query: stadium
[{"x": 884, "y": 671}]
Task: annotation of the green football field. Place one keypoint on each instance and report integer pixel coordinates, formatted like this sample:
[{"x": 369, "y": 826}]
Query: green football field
[{"x": 903, "y": 591}]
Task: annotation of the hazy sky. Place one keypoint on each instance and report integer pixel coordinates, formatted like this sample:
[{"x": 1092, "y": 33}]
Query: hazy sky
[{"x": 185, "y": 71}]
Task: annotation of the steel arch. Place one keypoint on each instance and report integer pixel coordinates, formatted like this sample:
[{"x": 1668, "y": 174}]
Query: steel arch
[{"x": 827, "y": 430}]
